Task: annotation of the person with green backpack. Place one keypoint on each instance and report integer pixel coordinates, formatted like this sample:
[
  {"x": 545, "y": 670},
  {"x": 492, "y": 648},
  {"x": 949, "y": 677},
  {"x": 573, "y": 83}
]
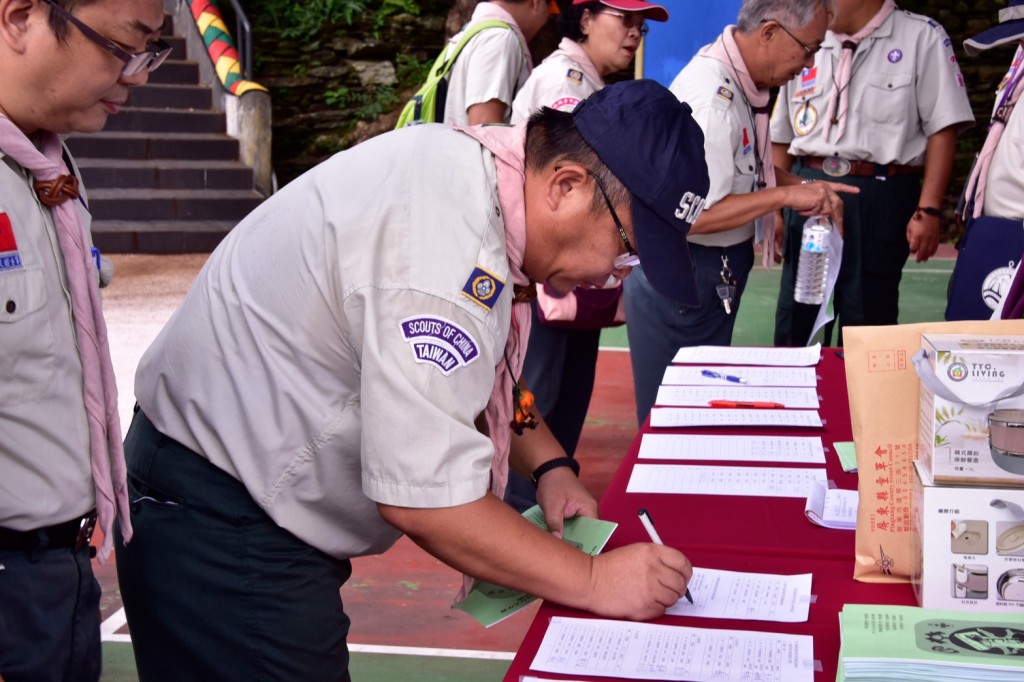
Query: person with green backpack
[{"x": 481, "y": 68}]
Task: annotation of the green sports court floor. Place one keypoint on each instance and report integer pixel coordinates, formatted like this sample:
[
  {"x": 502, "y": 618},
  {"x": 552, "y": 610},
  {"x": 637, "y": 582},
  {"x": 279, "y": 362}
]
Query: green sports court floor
[{"x": 402, "y": 628}]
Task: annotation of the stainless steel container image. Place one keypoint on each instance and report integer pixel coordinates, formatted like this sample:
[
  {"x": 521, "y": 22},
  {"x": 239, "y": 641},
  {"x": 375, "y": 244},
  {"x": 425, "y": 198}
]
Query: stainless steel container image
[
  {"x": 970, "y": 581},
  {"x": 1006, "y": 439}
]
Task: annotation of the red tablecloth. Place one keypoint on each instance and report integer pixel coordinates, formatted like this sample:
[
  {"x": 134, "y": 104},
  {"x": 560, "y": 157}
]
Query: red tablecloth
[{"x": 757, "y": 534}]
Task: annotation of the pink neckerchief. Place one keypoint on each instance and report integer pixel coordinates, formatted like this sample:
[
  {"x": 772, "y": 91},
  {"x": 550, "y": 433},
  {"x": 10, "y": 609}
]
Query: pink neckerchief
[
  {"x": 99, "y": 387},
  {"x": 1007, "y": 100},
  {"x": 508, "y": 144},
  {"x": 727, "y": 52},
  {"x": 488, "y": 10},
  {"x": 575, "y": 52},
  {"x": 839, "y": 104}
]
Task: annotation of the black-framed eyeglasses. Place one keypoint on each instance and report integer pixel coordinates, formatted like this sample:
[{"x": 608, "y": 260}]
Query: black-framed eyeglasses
[
  {"x": 630, "y": 20},
  {"x": 134, "y": 64},
  {"x": 630, "y": 258},
  {"x": 810, "y": 50}
]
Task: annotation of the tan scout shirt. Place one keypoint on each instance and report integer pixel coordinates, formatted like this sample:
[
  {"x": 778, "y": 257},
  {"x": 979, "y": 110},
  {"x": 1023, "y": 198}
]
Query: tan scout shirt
[
  {"x": 45, "y": 475},
  {"x": 906, "y": 86},
  {"x": 728, "y": 124},
  {"x": 327, "y": 355}
]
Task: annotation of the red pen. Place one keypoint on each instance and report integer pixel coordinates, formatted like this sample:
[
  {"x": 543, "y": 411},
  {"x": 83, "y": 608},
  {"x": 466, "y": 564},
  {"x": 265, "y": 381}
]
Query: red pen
[{"x": 758, "y": 405}]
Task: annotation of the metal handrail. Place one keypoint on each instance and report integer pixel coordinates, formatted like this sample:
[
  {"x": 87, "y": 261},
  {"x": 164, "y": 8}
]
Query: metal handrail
[{"x": 243, "y": 33}]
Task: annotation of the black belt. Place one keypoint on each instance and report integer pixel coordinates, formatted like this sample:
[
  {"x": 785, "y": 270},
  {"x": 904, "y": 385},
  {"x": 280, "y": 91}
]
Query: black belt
[{"x": 75, "y": 534}]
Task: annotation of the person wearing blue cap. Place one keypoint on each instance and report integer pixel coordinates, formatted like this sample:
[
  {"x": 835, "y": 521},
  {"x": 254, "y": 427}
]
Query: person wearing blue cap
[
  {"x": 992, "y": 210},
  {"x": 599, "y": 39},
  {"x": 345, "y": 369}
]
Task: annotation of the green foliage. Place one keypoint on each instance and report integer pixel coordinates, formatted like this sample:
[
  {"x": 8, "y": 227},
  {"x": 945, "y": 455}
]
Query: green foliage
[
  {"x": 411, "y": 71},
  {"x": 367, "y": 104},
  {"x": 306, "y": 19}
]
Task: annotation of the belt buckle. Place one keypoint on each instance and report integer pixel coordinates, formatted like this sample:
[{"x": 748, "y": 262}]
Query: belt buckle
[
  {"x": 85, "y": 531},
  {"x": 835, "y": 166}
]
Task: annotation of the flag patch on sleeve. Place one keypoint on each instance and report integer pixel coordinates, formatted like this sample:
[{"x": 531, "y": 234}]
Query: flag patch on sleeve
[
  {"x": 483, "y": 288},
  {"x": 10, "y": 259}
]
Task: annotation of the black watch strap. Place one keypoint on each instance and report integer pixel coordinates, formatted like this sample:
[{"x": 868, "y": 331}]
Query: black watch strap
[{"x": 554, "y": 464}]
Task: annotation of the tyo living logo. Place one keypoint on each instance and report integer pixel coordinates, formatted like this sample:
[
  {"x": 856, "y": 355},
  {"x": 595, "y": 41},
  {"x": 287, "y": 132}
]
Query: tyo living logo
[{"x": 957, "y": 371}]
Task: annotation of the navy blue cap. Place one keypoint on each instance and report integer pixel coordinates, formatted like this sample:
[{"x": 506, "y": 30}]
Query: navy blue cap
[
  {"x": 650, "y": 142},
  {"x": 1010, "y": 29}
]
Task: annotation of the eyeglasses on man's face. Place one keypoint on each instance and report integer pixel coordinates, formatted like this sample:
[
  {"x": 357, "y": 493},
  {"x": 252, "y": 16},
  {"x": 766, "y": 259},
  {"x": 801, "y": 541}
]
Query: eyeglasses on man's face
[
  {"x": 630, "y": 258},
  {"x": 630, "y": 20},
  {"x": 134, "y": 64},
  {"x": 809, "y": 50}
]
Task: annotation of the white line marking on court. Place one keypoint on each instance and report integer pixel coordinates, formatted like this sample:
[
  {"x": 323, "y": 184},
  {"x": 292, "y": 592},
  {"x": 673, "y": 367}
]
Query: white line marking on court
[
  {"x": 109, "y": 628},
  {"x": 926, "y": 271}
]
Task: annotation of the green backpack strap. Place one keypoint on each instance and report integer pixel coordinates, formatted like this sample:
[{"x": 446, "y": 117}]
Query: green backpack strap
[{"x": 427, "y": 105}]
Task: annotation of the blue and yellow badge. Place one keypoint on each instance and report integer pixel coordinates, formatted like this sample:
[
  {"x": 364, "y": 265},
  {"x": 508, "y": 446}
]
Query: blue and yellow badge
[
  {"x": 725, "y": 93},
  {"x": 574, "y": 75},
  {"x": 483, "y": 288}
]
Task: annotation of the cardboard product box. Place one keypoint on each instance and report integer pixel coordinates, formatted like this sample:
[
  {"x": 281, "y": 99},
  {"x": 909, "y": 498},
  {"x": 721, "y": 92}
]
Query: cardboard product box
[
  {"x": 968, "y": 546},
  {"x": 969, "y": 382}
]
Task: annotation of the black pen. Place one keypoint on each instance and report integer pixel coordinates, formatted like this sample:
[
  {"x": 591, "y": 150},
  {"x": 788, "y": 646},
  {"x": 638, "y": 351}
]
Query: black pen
[{"x": 645, "y": 518}]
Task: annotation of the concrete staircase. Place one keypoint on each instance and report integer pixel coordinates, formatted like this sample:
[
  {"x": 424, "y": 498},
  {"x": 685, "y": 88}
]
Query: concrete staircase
[{"x": 163, "y": 176}]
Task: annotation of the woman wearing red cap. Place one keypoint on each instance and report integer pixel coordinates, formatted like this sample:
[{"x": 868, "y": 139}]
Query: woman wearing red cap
[{"x": 599, "y": 39}]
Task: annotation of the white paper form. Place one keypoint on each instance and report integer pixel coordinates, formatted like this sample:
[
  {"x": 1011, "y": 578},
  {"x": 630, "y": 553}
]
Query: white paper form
[
  {"x": 715, "y": 480},
  {"x": 752, "y": 376},
  {"x": 749, "y": 355},
  {"x": 644, "y": 651},
  {"x": 746, "y": 596},
  {"x": 832, "y": 507},
  {"x": 670, "y": 417},
  {"x": 701, "y": 396},
  {"x": 794, "y": 449}
]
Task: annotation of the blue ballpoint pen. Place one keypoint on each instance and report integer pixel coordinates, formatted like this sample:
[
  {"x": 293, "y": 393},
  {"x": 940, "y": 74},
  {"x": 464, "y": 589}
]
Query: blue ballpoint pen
[{"x": 726, "y": 377}]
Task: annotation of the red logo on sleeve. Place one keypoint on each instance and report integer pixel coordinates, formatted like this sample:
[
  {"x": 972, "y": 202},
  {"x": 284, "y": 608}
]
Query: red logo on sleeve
[{"x": 7, "y": 242}]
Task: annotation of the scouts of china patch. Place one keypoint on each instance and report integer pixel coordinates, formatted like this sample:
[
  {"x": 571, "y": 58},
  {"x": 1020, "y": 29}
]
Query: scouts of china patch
[
  {"x": 574, "y": 75},
  {"x": 439, "y": 342},
  {"x": 483, "y": 288},
  {"x": 10, "y": 258},
  {"x": 725, "y": 93},
  {"x": 805, "y": 119}
]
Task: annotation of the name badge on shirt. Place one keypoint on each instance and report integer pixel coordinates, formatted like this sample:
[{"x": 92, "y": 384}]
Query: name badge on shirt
[
  {"x": 483, "y": 288},
  {"x": 439, "y": 342},
  {"x": 10, "y": 257}
]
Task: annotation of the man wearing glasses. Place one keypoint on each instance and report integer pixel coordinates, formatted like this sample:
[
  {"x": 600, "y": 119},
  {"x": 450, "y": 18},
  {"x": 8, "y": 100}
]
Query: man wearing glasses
[
  {"x": 879, "y": 108},
  {"x": 727, "y": 84},
  {"x": 345, "y": 369},
  {"x": 65, "y": 67}
]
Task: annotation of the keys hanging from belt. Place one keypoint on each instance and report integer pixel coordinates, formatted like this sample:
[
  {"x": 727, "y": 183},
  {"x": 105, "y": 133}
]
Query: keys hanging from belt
[{"x": 727, "y": 289}]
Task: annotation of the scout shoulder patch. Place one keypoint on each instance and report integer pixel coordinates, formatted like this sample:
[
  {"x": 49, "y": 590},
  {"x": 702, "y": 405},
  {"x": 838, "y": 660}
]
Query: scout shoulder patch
[
  {"x": 565, "y": 103},
  {"x": 483, "y": 288},
  {"x": 574, "y": 75},
  {"x": 10, "y": 258},
  {"x": 439, "y": 342},
  {"x": 725, "y": 93}
]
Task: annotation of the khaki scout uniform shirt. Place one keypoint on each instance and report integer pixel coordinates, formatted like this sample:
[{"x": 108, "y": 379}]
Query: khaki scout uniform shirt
[
  {"x": 45, "y": 473},
  {"x": 906, "y": 86},
  {"x": 491, "y": 66},
  {"x": 562, "y": 81},
  {"x": 1004, "y": 188},
  {"x": 337, "y": 347},
  {"x": 721, "y": 111}
]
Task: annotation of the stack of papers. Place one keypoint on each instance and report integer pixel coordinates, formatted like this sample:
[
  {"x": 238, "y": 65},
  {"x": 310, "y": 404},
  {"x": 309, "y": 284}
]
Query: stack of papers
[
  {"x": 881, "y": 643},
  {"x": 832, "y": 507}
]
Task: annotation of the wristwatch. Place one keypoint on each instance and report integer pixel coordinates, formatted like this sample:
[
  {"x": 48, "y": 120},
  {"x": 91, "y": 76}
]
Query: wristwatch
[{"x": 554, "y": 464}]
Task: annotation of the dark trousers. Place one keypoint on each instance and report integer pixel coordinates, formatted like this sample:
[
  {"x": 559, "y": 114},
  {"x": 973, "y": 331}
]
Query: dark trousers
[
  {"x": 559, "y": 369},
  {"x": 875, "y": 249},
  {"x": 215, "y": 590},
  {"x": 49, "y": 616},
  {"x": 658, "y": 327}
]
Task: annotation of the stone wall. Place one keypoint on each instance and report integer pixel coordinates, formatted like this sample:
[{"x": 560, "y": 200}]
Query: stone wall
[{"x": 309, "y": 125}]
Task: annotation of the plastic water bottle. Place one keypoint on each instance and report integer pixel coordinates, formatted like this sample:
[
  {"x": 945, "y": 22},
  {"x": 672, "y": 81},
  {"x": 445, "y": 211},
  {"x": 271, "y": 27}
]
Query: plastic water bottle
[{"x": 812, "y": 268}]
